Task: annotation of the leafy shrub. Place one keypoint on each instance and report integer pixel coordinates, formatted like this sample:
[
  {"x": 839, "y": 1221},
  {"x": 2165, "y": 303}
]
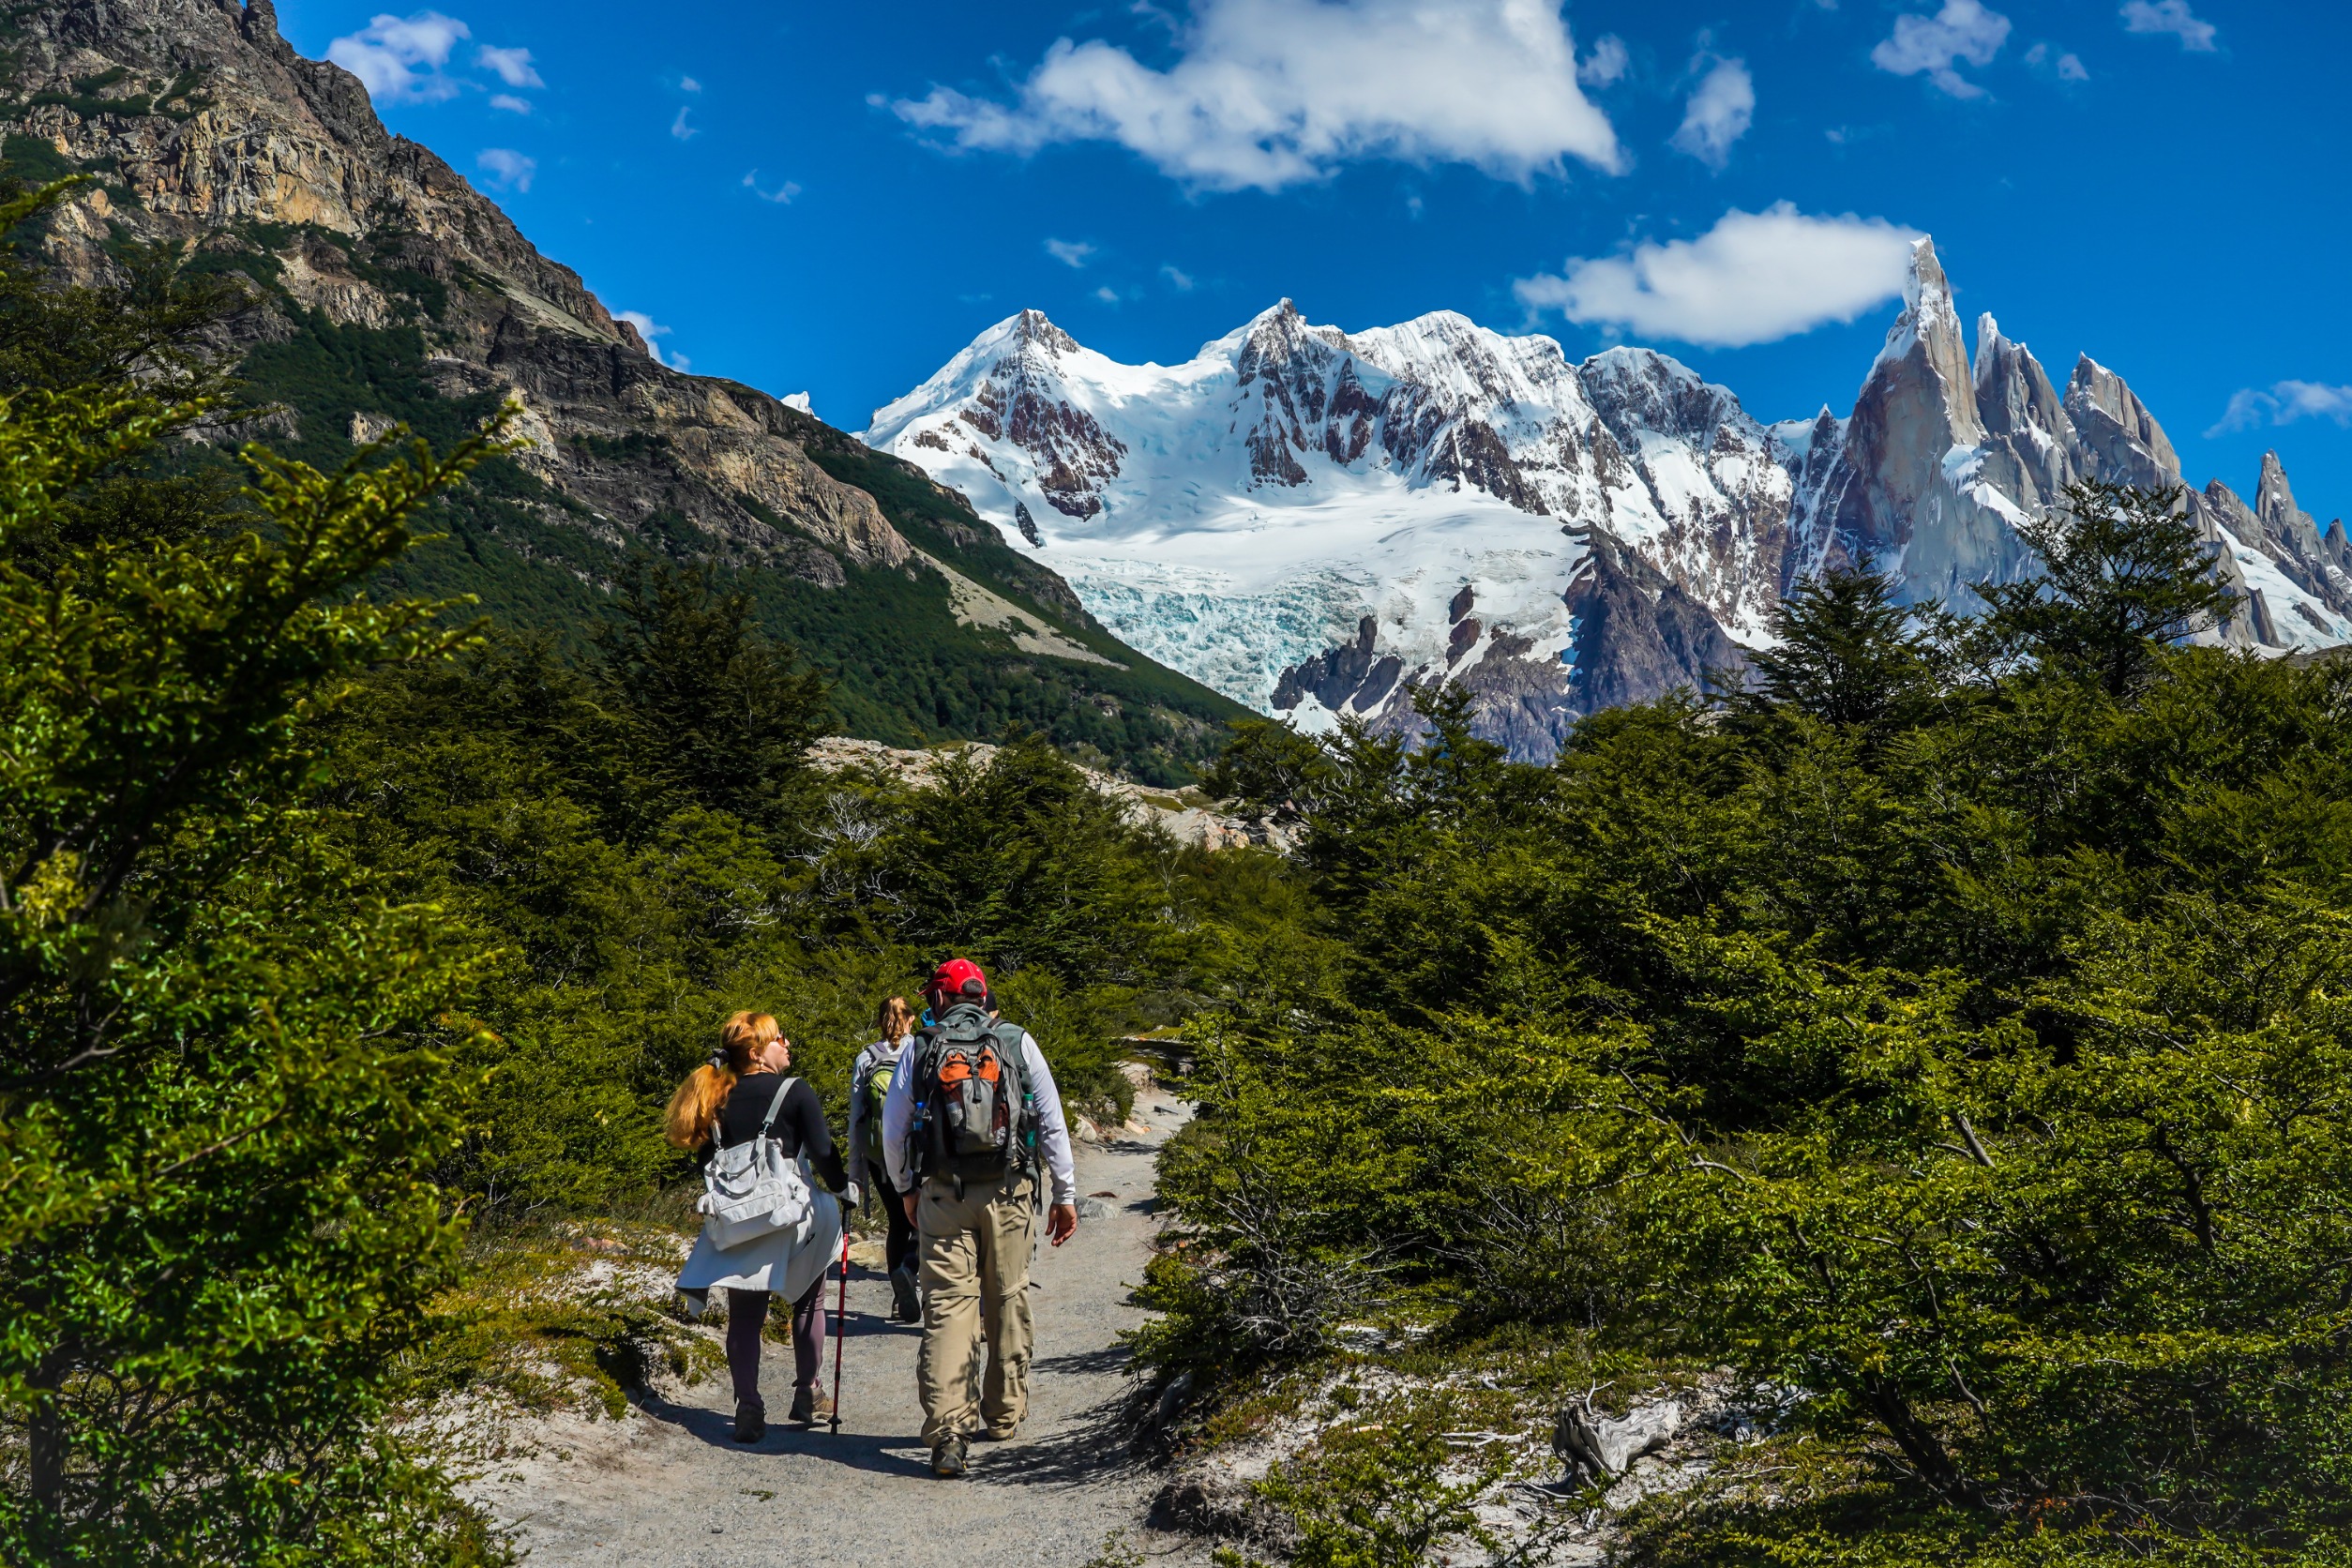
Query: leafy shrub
[{"x": 1949, "y": 1025}]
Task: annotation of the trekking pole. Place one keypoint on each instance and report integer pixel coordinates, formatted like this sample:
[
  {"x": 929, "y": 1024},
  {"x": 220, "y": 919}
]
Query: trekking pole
[{"x": 840, "y": 1313}]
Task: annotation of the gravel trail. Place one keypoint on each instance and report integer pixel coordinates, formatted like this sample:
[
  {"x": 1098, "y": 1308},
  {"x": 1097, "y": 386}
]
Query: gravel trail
[{"x": 666, "y": 1487}]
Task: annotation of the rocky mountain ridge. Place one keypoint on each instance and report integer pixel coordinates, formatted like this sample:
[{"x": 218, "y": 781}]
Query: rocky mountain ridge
[
  {"x": 1315, "y": 520},
  {"x": 255, "y": 142},
  {"x": 382, "y": 286}
]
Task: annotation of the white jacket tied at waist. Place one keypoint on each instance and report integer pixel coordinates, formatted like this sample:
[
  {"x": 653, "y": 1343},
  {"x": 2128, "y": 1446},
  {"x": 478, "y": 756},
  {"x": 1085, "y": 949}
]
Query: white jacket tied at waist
[
  {"x": 1053, "y": 1134},
  {"x": 787, "y": 1262}
]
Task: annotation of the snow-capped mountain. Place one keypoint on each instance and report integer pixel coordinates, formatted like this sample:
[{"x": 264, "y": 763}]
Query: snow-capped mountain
[
  {"x": 1937, "y": 463},
  {"x": 1312, "y": 520}
]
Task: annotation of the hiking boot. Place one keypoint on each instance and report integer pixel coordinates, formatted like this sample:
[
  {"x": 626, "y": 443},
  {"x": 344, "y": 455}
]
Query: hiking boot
[
  {"x": 751, "y": 1421},
  {"x": 997, "y": 1434},
  {"x": 809, "y": 1407},
  {"x": 905, "y": 1305},
  {"x": 947, "y": 1458}
]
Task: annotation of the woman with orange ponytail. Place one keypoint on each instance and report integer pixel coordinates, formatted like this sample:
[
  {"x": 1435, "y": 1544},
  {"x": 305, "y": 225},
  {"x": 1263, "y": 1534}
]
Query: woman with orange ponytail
[{"x": 740, "y": 1095}]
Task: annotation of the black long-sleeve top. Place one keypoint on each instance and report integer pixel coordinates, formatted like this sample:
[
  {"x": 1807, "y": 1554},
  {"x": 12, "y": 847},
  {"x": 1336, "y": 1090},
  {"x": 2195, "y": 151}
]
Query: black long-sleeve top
[{"x": 800, "y": 1123}]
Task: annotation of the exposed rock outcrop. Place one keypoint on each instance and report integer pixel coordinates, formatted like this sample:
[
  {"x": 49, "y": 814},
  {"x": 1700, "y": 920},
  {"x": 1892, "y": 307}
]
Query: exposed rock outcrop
[
  {"x": 1932, "y": 485},
  {"x": 227, "y": 139},
  {"x": 1639, "y": 634},
  {"x": 1350, "y": 678}
]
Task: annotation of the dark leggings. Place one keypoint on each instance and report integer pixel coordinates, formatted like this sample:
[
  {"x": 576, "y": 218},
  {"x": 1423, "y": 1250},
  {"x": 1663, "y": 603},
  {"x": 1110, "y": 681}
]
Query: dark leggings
[
  {"x": 899, "y": 1247},
  {"x": 747, "y": 1314}
]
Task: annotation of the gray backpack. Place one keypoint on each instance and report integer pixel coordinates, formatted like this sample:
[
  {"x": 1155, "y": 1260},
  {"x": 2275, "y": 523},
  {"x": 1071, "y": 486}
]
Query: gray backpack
[
  {"x": 754, "y": 1188},
  {"x": 975, "y": 1118}
]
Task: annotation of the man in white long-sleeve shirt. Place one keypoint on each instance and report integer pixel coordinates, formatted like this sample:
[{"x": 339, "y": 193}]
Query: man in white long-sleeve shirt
[{"x": 975, "y": 1239}]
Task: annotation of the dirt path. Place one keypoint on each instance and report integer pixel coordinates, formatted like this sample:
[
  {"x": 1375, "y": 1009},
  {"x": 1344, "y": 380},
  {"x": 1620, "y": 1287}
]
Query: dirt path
[{"x": 666, "y": 1486}]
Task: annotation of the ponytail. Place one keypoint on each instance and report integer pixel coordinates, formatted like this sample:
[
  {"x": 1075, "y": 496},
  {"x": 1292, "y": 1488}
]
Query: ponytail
[{"x": 700, "y": 1099}]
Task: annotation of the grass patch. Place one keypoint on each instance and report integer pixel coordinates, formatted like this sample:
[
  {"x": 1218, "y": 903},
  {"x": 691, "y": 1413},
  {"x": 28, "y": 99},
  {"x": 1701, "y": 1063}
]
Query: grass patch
[{"x": 565, "y": 1316}]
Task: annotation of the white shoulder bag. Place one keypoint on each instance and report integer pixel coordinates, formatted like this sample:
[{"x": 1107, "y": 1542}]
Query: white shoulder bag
[{"x": 753, "y": 1188}]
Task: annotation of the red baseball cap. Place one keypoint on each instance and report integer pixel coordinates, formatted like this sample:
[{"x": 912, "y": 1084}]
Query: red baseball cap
[{"x": 960, "y": 979}]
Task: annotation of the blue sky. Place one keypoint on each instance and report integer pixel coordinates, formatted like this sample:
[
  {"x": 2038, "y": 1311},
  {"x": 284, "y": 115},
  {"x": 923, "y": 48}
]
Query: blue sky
[{"x": 836, "y": 198}]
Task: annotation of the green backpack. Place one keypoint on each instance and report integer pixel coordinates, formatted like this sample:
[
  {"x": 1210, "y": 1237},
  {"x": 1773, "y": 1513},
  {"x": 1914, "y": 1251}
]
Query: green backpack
[{"x": 877, "y": 1091}]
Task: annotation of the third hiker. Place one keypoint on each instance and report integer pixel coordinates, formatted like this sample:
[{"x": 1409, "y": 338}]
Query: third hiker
[
  {"x": 972, "y": 1125},
  {"x": 870, "y": 1078}
]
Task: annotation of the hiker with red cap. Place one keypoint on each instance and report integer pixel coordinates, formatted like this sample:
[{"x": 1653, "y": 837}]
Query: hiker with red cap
[{"x": 972, "y": 1132}]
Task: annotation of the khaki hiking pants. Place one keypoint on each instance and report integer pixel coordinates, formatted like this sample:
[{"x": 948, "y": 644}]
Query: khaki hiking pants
[{"x": 976, "y": 1287}]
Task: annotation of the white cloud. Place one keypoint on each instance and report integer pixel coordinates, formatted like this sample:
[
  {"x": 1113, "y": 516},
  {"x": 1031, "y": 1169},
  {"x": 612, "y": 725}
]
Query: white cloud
[
  {"x": 1069, "y": 253},
  {"x": 507, "y": 169},
  {"x": 512, "y": 66},
  {"x": 2168, "y": 16},
  {"x": 687, "y": 84},
  {"x": 1753, "y": 278},
  {"x": 2283, "y": 404},
  {"x": 1719, "y": 113},
  {"x": 1108, "y": 294},
  {"x": 800, "y": 401},
  {"x": 1269, "y": 93},
  {"x": 651, "y": 329},
  {"x": 1178, "y": 277},
  {"x": 1963, "y": 30},
  {"x": 781, "y": 195},
  {"x": 1607, "y": 62},
  {"x": 2069, "y": 67},
  {"x": 398, "y": 59},
  {"x": 682, "y": 132},
  {"x": 2310, "y": 398},
  {"x": 510, "y": 104}
]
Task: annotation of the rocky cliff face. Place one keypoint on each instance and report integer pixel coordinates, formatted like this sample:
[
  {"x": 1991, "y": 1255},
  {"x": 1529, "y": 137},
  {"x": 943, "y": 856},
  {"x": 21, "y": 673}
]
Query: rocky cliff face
[
  {"x": 1913, "y": 493},
  {"x": 1937, "y": 464},
  {"x": 216, "y": 134},
  {"x": 383, "y": 287}
]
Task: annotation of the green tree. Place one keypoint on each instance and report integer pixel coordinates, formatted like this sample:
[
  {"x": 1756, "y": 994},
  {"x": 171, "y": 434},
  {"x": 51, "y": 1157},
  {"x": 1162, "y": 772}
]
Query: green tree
[
  {"x": 718, "y": 712},
  {"x": 1270, "y": 766},
  {"x": 223, "y": 1054},
  {"x": 1019, "y": 862},
  {"x": 153, "y": 329},
  {"x": 2124, "y": 572},
  {"x": 1845, "y": 654}
]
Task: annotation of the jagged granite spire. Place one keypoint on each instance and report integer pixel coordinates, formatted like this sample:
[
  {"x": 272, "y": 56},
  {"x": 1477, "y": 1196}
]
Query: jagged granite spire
[
  {"x": 2029, "y": 453},
  {"x": 1914, "y": 495},
  {"x": 2121, "y": 441}
]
